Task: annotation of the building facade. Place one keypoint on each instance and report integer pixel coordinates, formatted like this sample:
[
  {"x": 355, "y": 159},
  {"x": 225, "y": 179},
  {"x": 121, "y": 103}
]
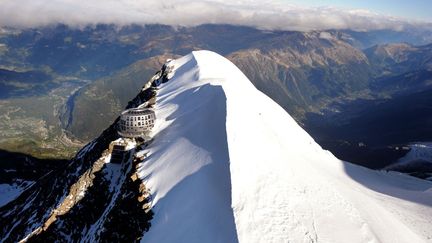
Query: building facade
[{"x": 136, "y": 122}]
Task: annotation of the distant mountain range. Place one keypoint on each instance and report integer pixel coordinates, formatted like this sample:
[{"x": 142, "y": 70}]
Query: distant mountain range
[
  {"x": 225, "y": 163},
  {"x": 82, "y": 78}
]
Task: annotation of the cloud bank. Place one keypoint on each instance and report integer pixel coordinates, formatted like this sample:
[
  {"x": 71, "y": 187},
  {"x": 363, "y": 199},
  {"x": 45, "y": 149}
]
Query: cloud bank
[{"x": 270, "y": 15}]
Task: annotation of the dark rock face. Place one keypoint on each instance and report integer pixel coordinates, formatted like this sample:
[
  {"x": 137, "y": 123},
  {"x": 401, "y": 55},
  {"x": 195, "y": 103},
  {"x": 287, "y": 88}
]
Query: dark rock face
[
  {"x": 104, "y": 214},
  {"x": 86, "y": 199},
  {"x": 18, "y": 166},
  {"x": 419, "y": 168},
  {"x": 33, "y": 207},
  {"x": 129, "y": 217}
]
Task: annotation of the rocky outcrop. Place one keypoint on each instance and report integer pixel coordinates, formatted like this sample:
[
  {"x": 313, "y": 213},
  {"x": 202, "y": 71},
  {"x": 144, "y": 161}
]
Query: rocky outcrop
[{"x": 87, "y": 199}]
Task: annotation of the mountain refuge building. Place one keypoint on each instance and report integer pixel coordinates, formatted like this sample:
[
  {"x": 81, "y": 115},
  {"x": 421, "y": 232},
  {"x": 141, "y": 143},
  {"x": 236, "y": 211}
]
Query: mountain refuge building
[{"x": 136, "y": 122}]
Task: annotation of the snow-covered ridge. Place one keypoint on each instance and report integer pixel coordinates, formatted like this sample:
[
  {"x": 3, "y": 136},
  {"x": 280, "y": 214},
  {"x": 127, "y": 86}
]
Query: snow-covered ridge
[
  {"x": 419, "y": 151},
  {"x": 10, "y": 192},
  {"x": 229, "y": 165}
]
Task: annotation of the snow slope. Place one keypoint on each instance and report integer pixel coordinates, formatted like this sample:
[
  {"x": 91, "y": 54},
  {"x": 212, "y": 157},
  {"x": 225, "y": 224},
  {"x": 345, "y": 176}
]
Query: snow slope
[
  {"x": 229, "y": 165},
  {"x": 419, "y": 151},
  {"x": 9, "y": 192}
]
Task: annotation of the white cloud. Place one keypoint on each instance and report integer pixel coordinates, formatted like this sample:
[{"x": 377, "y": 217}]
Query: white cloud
[{"x": 261, "y": 14}]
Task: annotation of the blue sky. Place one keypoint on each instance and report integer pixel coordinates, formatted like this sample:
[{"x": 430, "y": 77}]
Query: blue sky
[{"x": 413, "y": 9}]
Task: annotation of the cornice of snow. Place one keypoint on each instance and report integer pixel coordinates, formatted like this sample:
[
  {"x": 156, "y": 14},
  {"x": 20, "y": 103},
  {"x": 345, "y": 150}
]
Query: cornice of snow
[{"x": 229, "y": 165}]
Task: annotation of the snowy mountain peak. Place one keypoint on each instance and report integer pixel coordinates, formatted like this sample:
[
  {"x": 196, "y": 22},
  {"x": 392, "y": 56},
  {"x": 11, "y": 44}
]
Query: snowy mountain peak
[
  {"x": 225, "y": 164},
  {"x": 228, "y": 164}
]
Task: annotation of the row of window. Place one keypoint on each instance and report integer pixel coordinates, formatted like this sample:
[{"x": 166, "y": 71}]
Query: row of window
[
  {"x": 151, "y": 122},
  {"x": 138, "y": 118},
  {"x": 127, "y": 123}
]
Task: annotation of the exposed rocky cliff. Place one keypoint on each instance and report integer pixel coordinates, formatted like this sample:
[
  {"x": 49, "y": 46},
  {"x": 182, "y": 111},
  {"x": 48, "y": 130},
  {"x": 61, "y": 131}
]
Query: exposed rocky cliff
[{"x": 86, "y": 199}]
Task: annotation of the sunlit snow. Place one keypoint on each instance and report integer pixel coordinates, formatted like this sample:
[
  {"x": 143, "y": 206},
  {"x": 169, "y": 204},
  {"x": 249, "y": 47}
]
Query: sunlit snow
[{"x": 229, "y": 165}]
